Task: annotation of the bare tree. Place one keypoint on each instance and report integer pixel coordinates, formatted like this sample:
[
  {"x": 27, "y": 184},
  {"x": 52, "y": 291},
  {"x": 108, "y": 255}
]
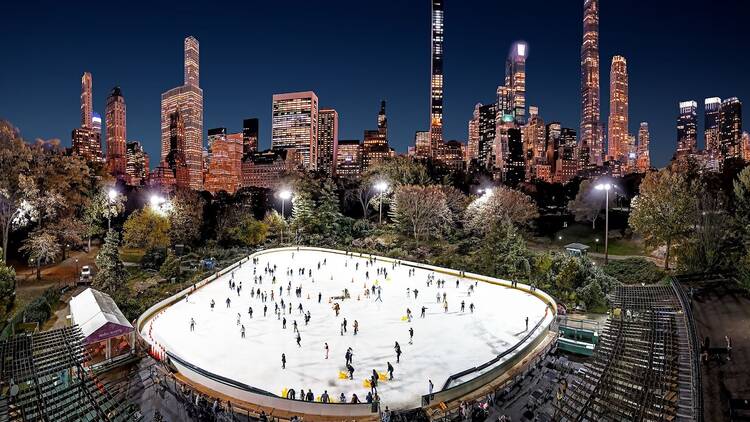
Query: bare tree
[
  {"x": 41, "y": 248},
  {"x": 422, "y": 210},
  {"x": 499, "y": 205}
]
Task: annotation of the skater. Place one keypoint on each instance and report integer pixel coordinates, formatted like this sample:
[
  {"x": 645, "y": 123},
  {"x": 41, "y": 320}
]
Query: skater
[
  {"x": 527, "y": 323},
  {"x": 471, "y": 307},
  {"x": 212, "y": 304},
  {"x": 320, "y": 297},
  {"x": 299, "y": 340},
  {"x": 411, "y": 335},
  {"x": 356, "y": 327},
  {"x": 350, "y": 369},
  {"x": 437, "y": 297},
  {"x": 445, "y": 306},
  {"x": 462, "y": 305},
  {"x": 228, "y": 302},
  {"x": 250, "y": 311},
  {"x": 295, "y": 327},
  {"x": 238, "y": 318},
  {"x": 283, "y": 323},
  {"x": 242, "y": 331},
  {"x": 326, "y": 350},
  {"x": 416, "y": 293},
  {"x": 378, "y": 298},
  {"x": 397, "y": 347},
  {"x": 344, "y": 324},
  {"x": 423, "y": 311},
  {"x": 430, "y": 388},
  {"x": 192, "y": 324},
  {"x": 349, "y": 355},
  {"x": 265, "y": 309},
  {"x": 390, "y": 371}
]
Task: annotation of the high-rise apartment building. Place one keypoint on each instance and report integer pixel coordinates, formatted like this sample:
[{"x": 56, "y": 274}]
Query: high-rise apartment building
[
  {"x": 116, "y": 133},
  {"x": 349, "y": 158},
  {"x": 618, "y": 110},
  {"x": 687, "y": 128},
  {"x": 711, "y": 136},
  {"x": 515, "y": 80},
  {"x": 328, "y": 140},
  {"x": 186, "y": 99},
  {"x": 515, "y": 165},
  {"x": 472, "y": 148},
  {"x": 436, "y": 78},
  {"x": 422, "y": 144},
  {"x": 730, "y": 129},
  {"x": 643, "y": 156},
  {"x": 375, "y": 143},
  {"x": 487, "y": 131},
  {"x": 294, "y": 125},
  {"x": 175, "y": 159},
  {"x": 590, "y": 146},
  {"x": 566, "y": 162},
  {"x": 87, "y": 103},
  {"x": 265, "y": 169},
  {"x": 223, "y": 172},
  {"x": 249, "y": 136},
  {"x": 746, "y": 146},
  {"x": 137, "y": 164}
]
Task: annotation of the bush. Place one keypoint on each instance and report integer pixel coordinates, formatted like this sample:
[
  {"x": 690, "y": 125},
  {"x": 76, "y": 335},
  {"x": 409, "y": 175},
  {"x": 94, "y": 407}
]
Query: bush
[
  {"x": 634, "y": 271},
  {"x": 153, "y": 258},
  {"x": 171, "y": 266}
]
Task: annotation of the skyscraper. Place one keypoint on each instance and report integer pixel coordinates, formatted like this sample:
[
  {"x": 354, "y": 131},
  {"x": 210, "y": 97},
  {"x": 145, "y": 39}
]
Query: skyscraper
[
  {"x": 472, "y": 149},
  {"x": 375, "y": 143},
  {"x": 249, "y": 136},
  {"x": 711, "y": 108},
  {"x": 687, "y": 128},
  {"x": 487, "y": 131},
  {"x": 436, "y": 79},
  {"x": 137, "y": 164},
  {"x": 515, "y": 80},
  {"x": 328, "y": 140},
  {"x": 349, "y": 158},
  {"x": 175, "y": 159},
  {"x": 87, "y": 104},
  {"x": 186, "y": 99},
  {"x": 294, "y": 125},
  {"x": 618, "y": 110},
  {"x": 590, "y": 148},
  {"x": 515, "y": 166},
  {"x": 643, "y": 156},
  {"x": 223, "y": 172},
  {"x": 534, "y": 136},
  {"x": 730, "y": 126},
  {"x": 116, "y": 133},
  {"x": 422, "y": 143}
]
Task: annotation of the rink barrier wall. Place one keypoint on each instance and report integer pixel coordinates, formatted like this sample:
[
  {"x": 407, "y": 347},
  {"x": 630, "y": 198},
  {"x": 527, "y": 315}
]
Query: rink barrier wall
[{"x": 335, "y": 409}]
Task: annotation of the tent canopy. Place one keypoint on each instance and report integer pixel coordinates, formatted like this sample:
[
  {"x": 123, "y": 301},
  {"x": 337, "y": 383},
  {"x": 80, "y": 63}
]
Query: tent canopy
[{"x": 98, "y": 316}]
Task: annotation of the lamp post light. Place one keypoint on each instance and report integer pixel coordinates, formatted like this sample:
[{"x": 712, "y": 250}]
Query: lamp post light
[
  {"x": 284, "y": 195},
  {"x": 160, "y": 204},
  {"x": 597, "y": 244},
  {"x": 382, "y": 187},
  {"x": 112, "y": 194},
  {"x": 606, "y": 187}
]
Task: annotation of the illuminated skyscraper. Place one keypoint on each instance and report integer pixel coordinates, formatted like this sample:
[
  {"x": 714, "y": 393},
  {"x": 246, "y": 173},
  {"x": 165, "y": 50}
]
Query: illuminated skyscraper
[
  {"x": 422, "y": 143},
  {"x": 711, "y": 108},
  {"x": 515, "y": 80},
  {"x": 137, "y": 164},
  {"x": 730, "y": 126},
  {"x": 349, "y": 158},
  {"x": 590, "y": 148},
  {"x": 487, "y": 131},
  {"x": 186, "y": 99},
  {"x": 643, "y": 156},
  {"x": 294, "y": 125},
  {"x": 328, "y": 140},
  {"x": 687, "y": 128},
  {"x": 618, "y": 110},
  {"x": 515, "y": 165},
  {"x": 87, "y": 104},
  {"x": 249, "y": 136},
  {"x": 436, "y": 79},
  {"x": 116, "y": 133},
  {"x": 375, "y": 143},
  {"x": 746, "y": 146},
  {"x": 175, "y": 159},
  {"x": 223, "y": 172},
  {"x": 472, "y": 149}
]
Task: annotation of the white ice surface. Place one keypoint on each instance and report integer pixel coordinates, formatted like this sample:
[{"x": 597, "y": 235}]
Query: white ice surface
[{"x": 444, "y": 343}]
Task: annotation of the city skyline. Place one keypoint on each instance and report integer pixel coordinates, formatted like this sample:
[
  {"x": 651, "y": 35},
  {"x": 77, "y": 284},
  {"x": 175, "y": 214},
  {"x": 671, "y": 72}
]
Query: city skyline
[{"x": 544, "y": 85}]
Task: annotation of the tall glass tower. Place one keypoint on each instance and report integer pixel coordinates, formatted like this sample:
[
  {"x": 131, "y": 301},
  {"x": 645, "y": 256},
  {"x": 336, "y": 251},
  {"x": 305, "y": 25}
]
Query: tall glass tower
[{"x": 436, "y": 79}]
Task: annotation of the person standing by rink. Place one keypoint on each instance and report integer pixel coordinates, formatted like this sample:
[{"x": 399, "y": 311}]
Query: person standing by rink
[
  {"x": 527, "y": 323},
  {"x": 430, "y": 387}
]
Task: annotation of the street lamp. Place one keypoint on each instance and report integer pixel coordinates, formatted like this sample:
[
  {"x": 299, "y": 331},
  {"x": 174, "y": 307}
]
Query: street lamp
[
  {"x": 160, "y": 204},
  {"x": 606, "y": 187},
  {"x": 597, "y": 244},
  {"x": 78, "y": 274},
  {"x": 112, "y": 194},
  {"x": 284, "y": 195},
  {"x": 382, "y": 187}
]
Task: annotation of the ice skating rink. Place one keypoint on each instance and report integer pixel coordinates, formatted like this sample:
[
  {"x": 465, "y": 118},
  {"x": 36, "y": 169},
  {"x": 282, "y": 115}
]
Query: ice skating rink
[{"x": 444, "y": 342}]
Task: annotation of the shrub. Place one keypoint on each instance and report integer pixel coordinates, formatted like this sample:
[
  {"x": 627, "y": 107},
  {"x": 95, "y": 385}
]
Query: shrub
[
  {"x": 171, "y": 266},
  {"x": 634, "y": 271},
  {"x": 153, "y": 258}
]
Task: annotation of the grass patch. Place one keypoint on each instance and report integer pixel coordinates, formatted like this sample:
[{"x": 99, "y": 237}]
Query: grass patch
[
  {"x": 634, "y": 271},
  {"x": 133, "y": 255}
]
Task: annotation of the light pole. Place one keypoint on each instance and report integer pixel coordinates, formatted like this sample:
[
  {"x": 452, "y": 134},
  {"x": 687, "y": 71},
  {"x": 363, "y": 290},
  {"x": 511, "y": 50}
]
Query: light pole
[
  {"x": 382, "y": 187},
  {"x": 284, "y": 195},
  {"x": 78, "y": 274},
  {"x": 112, "y": 194},
  {"x": 606, "y": 187}
]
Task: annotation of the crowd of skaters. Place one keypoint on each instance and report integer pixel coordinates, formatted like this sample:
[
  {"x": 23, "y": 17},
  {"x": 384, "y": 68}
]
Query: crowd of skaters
[{"x": 266, "y": 295}]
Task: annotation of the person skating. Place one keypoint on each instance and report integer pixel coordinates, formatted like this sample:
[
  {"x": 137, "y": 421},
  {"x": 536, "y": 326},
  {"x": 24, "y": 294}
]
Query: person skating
[
  {"x": 250, "y": 311},
  {"x": 229, "y": 301},
  {"x": 238, "y": 318},
  {"x": 283, "y": 361},
  {"x": 471, "y": 307},
  {"x": 527, "y": 323},
  {"x": 423, "y": 311},
  {"x": 299, "y": 340},
  {"x": 350, "y": 369},
  {"x": 212, "y": 304},
  {"x": 242, "y": 331},
  {"x": 411, "y": 335},
  {"x": 320, "y": 297},
  {"x": 374, "y": 380},
  {"x": 265, "y": 309},
  {"x": 416, "y": 293},
  {"x": 326, "y": 350},
  {"x": 445, "y": 306},
  {"x": 344, "y": 324},
  {"x": 390, "y": 371},
  {"x": 462, "y": 305},
  {"x": 356, "y": 327},
  {"x": 192, "y": 324},
  {"x": 283, "y": 323},
  {"x": 295, "y": 326},
  {"x": 397, "y": 347}
]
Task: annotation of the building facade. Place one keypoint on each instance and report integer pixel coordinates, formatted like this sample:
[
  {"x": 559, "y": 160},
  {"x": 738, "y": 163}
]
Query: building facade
[
  {"x": 687, "y": 128},
  {"x": 515, "y": 81},
  {"x": 617, "y": 136},
  {"x": 711, "y": 132},
  {"x": 137, "y": 165},
  {"x": 116, "y": 126},
  {"x": 328, "y": 140},
  {"x": 472, "y": 147},
  {"x": 295, "y": 125},
  {"x": 224, "y": 169},
  {"x": 730, "y": 129},
  {"x": 643, "y": 156},
  {"x": 349, "y": 158},
  {"x": 249, "y": 136},
  {"x": 375, "y": 142},
  {"x": 436, "y": 77},
  {"x": 264, "y": 169},
  {"x": 87, "y": 102},
  {"x": 186, "y": 99}
]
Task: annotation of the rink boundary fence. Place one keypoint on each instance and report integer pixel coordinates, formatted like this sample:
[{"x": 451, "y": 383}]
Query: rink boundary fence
[{"x": 468, "y": 386}]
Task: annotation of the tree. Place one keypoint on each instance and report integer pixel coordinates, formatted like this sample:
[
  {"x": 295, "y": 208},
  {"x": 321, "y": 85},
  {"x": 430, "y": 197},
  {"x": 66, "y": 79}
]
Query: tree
[
  {"x": 588, "y": 203},
  {"x": 713, "y": 243},
  {"x": 186, "y": 218},
  {"x": 42, "y": 248},
  {"x": 274, "y": 222},
  {"x": 400, "y": 171},
  {"x": 499, "y": 205},
  {"x": 101, "y": 207},
  {"x": 664, "y": 210},
  {"x": 170, "y": 268},
  {"x": 15, "y": 210},
  {"x": 146, "y": 228},
  {"x": 250, "y": 232},
  {"x": 503, "y": 253},
  {"x": 741, "y": 187},
  {"x": 420, "y": 210},
  {"x": 111, "y": 274},
  {"x": 68, "y": 232},
  {"x": 7, "y": 288}
]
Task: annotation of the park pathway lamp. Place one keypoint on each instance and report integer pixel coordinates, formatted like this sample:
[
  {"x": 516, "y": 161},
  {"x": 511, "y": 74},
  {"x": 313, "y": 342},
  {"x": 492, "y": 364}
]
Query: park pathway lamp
[
  {"x": 381, "y": 187},
  {"x": 284, "y": 195},
  {"x": 112, "y": 195},
  {"x": 606, "y": 187}
]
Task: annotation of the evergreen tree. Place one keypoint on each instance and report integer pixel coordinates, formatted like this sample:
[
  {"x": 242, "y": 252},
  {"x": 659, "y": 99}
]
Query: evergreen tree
[
  {"x": 171, "y": 266},
  {"x": 111, "y": 275}
]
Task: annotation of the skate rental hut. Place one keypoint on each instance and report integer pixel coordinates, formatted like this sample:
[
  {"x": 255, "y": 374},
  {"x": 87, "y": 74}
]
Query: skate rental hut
[{"x": 108, "y": 335}]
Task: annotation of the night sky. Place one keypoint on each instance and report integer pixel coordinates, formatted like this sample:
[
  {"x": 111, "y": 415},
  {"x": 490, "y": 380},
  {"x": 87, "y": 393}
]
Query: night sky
[{"x": 355, "y": 53}]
